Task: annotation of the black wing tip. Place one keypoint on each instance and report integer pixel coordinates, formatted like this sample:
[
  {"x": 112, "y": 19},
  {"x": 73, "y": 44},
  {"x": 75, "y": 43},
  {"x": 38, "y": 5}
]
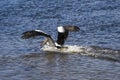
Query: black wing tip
[
  {"x": 25, "y": 37},
  {"x": 77, "y": 28},
  {"x": 27, "y": 34},
  {"x": 72, "y": 27}
]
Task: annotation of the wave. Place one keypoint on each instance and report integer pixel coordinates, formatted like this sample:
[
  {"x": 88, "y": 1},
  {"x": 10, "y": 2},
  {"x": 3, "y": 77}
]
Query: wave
[{"x": 94, "y": 51}]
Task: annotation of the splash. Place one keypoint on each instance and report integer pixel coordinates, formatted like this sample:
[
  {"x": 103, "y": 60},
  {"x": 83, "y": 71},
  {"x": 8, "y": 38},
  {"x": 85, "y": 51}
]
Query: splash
[
  {"x": 65, "y": 49},
  {"x": 94, "y": 51}
]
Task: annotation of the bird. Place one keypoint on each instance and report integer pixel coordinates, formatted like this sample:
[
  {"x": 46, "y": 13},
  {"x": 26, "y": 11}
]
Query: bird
[{"x": 63, "y": 32}]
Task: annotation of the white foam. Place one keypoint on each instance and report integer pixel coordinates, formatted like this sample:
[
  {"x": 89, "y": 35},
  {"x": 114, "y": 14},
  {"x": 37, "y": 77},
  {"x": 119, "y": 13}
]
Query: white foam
[{"x": 66, "y": 49}]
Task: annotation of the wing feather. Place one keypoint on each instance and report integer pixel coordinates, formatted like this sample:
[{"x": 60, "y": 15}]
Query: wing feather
[
  {"x": 71, "y": 28},
  {"x": 34, "y": 33}
]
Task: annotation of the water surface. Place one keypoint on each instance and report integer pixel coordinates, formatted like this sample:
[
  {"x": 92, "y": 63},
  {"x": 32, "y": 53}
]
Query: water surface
[{"x": 100, "y": 33}]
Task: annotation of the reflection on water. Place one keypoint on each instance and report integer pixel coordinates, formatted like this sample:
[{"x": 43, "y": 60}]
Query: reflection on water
[{"x": 44, "y": 66}]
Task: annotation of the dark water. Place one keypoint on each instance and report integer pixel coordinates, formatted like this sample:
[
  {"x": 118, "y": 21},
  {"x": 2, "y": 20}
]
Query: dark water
[{"x": 100, "y": 31}]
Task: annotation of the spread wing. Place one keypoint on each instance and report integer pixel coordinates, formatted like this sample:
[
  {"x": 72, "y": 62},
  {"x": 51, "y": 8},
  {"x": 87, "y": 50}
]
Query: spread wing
[
  {"x": 34, "y": 33},
  {"x": 62, "y": 36},
  {"x": 71, "y": 28}
]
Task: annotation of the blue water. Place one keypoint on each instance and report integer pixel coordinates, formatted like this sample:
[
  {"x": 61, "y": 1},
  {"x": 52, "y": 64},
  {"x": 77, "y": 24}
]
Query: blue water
[{"x": 23, "y": 60}]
